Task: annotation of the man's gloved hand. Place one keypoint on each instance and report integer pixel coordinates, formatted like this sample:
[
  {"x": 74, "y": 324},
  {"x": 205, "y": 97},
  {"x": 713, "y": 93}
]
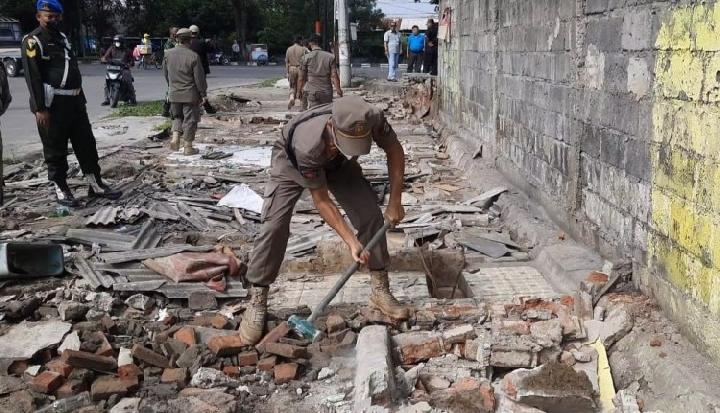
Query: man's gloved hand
[{"x": 394, "y": 213}]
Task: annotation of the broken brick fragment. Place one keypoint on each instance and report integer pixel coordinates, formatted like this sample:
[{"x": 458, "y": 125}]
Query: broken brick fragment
[
  {"x": 417, "y": 346},
  {"x": 334, "y": 323},
  {"x": 518, "y": 327},
  {"x": 220, "y": 322},
  {"x": 89, "y": 361},
  {"x": 232, "y": 371},
  {"x": 286, "y": 350},
  {"x": 186, "y": 335},
  {"x": 267, "y": 363},
  {"x": 551, "y": 387},
  {"x": 285, "y": 372},
  {"x": 469, "y": 395},
  {"x": 223, "y": 346},
  {"x": 47, "y": 382},
  {"x": 174, "y": 376},
  {"x": 105, "y": 386},
  {"x": 148, "y": 356},
  {"x": 273, "y": 336},
  {"x": 59, "y": 366},
  {"x": 129, "y": 370},
  {"x": 71, "y": 388},
  {"x": 105, "y": 349},
  {"x": 247, "y": 358}
]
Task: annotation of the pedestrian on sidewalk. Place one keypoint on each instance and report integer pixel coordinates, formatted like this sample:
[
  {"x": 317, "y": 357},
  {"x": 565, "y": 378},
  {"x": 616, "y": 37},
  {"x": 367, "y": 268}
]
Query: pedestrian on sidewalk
[
  {"x": 318, "y": 74},
  {"x": 431, "y": 48},
  {"x": 58, "y": 102},
  {"x": 293, "y": 57},
  {"x": 416, "y": 48},
  {"x": 184, "y": 73},
  {"x": 5, "y": 99},
  {"x": 317, "y": 150},
  {"x": 236, "y": 50},
  {"x": 393, "y": 50}
]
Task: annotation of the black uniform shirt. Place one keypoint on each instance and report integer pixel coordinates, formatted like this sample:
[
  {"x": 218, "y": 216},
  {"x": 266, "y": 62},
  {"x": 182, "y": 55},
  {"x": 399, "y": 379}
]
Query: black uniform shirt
[{"x": 48, "y": 58}]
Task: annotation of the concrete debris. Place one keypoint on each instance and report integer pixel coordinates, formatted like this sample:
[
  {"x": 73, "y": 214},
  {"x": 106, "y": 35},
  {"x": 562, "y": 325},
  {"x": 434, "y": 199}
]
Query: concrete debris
[
  {"x": 552, "y": 387},
  {"x": 617, "y": 324},
  {"x": 23, "y": 340},
  {"x": 374, "y": 377},
  {"x": 467, "y": 396},
  {"x": 208, "y": 378}
]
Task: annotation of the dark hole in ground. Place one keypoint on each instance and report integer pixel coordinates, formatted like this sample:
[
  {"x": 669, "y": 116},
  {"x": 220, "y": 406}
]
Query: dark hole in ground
[{"x": 443, "y": 272}]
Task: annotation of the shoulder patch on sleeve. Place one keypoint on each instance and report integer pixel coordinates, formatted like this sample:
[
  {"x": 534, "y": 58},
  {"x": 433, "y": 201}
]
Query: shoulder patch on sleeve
[{"x": 30, "y": 49}]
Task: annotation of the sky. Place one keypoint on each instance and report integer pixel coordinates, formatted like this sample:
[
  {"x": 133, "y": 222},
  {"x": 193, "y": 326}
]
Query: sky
[{"x": 406, "y": 8}]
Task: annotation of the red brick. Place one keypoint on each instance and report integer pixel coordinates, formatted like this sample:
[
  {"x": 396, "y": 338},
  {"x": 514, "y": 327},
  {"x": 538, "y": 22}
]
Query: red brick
[
  {"x": 513, "y": 327},
  {"x": 334, "y": 323},
  {"x": 468, "y": 394},
  {"x": 597, "y": 277},
  {"x": 89, "y": 361},
  {"x": 18, "y": 367},
  {"x": 286, "y": 350},
  {"x": 186, "y": 335},
  {"x": 148, "y": 356},
  {"x": 418, "y": 346},
  {"x": 47, "y": 382},
  {"x": 656, "y": 342},
  {"x": 223, "y": 346},
  {"x": 129, "y": 370},
  {"x": 273, "y": 336},
  {"x": 247, "y": 358},
  {"x": 232, "y": 371},
  {"x": 105, "y": 348},
  {"x": 59, "y": 366},
  {"x": 267, "y": 363},
  {"x": 177, "y": 376},
  {"x": 71, "y": 388},
  {"x": 105, "y": 386},
  {"x": 220, "y": 322},
  {"x": 285, "y": 372}
]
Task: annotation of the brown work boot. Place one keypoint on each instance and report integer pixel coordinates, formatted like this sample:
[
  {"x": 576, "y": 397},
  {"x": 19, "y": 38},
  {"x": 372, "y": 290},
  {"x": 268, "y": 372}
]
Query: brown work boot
[
  {"x": 291, "y": 101},
  {"x": 175, "y": 142},
  {"x": 382, "y": 299},
  {"x": 188, "y": 150},
  {"x": 253, "y": 321}
]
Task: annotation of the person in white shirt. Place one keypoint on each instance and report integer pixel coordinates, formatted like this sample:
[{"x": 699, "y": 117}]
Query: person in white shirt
[
  {"x": 393, "y": 50},
  {"x": 236, "y": 51}
]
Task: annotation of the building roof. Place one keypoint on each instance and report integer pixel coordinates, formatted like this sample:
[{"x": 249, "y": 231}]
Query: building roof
[
  {"x": 407, "y": 9},
  {"x": 4, "y": 19},
  {"x": 407, "y": 24}
]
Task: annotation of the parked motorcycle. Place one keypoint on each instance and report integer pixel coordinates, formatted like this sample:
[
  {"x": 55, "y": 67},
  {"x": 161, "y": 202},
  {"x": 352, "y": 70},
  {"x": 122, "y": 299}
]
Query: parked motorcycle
[
  {"x": 117, "y": 86},
  {"x": 219, "y": 58}
]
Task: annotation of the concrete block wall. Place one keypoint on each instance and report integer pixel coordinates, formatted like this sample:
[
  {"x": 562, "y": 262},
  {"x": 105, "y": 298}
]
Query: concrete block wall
[{"x": 606, "y": 112}]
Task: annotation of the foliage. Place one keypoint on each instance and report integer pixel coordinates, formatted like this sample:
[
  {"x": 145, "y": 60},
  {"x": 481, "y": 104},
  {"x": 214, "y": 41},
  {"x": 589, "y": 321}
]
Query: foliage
[{"x": 153, "y": 108}]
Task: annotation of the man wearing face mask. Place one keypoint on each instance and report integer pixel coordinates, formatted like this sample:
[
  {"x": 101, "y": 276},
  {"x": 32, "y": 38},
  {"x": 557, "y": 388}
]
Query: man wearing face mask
[
  {"x": 58, "y": 102},
  {"x": 317, "y": 150},
  {"x": 119, "y": 52}
]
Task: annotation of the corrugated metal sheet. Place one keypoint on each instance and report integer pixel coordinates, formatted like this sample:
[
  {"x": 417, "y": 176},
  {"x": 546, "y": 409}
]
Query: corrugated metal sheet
[
  {"x": 111, "y": 241},
  {"x": 162, "y": 211},
  {"x": 104, "y": 216},
  {"x": 139, "y": 255},
  {"x": 301, "y": 244},
  {"x": 192, "y": 217},
  {"x": 148, "y": 237},
  {"x": 94, "y": 278}
]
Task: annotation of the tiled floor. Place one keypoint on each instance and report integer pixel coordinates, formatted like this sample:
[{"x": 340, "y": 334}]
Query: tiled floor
[{"x": 504, "y": 283}]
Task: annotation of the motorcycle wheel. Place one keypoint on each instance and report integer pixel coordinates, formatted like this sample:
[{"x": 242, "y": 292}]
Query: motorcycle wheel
[
  {"x": 225, "y": 61},
  {"x": 114, "y": 95}
]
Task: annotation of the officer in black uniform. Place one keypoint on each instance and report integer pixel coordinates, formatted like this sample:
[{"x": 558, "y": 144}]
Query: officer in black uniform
[{"x": 58, "y": 102}]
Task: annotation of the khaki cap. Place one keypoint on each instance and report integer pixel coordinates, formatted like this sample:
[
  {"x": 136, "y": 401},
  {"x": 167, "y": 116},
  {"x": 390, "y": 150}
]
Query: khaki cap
[
  {"x": 183, "y": 33},
  {"x": 352, "y": 118}
]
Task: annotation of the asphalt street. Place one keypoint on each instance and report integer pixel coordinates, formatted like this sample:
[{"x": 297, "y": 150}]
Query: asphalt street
[{"x": 18, "y": 124}]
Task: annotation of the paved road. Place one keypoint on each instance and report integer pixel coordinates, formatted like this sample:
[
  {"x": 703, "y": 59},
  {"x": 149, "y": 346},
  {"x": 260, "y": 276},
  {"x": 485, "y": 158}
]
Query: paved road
[{"x": 18, "y": 123}]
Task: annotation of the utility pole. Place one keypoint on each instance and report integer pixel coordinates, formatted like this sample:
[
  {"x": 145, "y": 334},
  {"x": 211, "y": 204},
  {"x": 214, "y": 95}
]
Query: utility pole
[{"x": 344, "y": 50}]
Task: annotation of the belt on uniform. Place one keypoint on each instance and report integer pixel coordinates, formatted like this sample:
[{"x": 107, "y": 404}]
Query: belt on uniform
[{"x": 67, "y": 92}]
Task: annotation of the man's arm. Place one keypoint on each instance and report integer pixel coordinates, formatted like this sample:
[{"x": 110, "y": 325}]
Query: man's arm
[
  {"x": 331, "y": 215},
  {"x": 165, "y": 68},
  {"x": 31, "y": 58},
  {"x": 200, "y": 81},
  {"x": 396, "y": 168},
  {"x": 335, "y": 78},
  {"x": 302, "y": 76}
]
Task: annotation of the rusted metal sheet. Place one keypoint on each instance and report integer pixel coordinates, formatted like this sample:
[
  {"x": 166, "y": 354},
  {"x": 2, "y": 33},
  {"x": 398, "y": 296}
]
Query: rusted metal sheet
[{"x": 139, "y": 255}]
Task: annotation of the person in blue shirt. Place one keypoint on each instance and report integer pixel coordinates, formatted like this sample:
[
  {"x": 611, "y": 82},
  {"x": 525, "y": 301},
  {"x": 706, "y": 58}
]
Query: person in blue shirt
[{"x": 416, "y": 47}]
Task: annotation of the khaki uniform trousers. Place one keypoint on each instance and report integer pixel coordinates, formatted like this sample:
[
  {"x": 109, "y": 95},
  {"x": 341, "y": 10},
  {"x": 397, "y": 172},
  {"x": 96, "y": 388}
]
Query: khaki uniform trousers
[
  {"x": 293, "y": 77},
  {"x": 314, "y": 98},
  {"x": 351, "y": 190},
  {"x": 186, "y": 117}
]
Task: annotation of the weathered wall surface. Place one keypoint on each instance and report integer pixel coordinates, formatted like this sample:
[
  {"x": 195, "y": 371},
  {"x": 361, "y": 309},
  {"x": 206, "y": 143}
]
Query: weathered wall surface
[{"x": 605, "y": 111}]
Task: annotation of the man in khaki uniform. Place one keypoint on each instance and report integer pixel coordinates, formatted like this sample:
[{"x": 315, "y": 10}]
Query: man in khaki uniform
[
  {"x": 293, "y": 55},
  {"x": 5, "y": 99},
  {"x": 188, "y": 91},
  {"x": 317, "y": 151},
  {"x": 318, "y": 74}
]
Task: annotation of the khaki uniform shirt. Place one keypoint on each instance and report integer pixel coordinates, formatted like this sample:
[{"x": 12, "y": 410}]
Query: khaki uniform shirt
[
  {"x": 317, "y": 67},
  {"x": 309, "y": 147},
  {"x": 294, "y": 54},
  {"x": 185, "y": 75}
]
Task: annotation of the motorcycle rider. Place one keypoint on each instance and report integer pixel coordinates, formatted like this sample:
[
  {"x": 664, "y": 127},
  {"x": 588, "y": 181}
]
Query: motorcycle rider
[{"x": 119, "y": 52}]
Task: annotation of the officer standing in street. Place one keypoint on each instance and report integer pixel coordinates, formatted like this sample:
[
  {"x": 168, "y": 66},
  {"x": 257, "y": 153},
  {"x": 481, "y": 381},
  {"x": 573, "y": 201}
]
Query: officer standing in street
[
  {"x": 188, "y": 91},
  {"x": 318, "y": 74},
  {"x": 293, "y": 55},
  {"x": 317, "y": 151},
  {"x": 5, "y": 99},
  {"x": 58, "y": 102}
]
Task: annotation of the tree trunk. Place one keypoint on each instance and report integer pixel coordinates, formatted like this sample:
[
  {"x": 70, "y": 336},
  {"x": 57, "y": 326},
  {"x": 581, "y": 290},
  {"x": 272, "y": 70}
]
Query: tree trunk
[{"x": 240, "y": 8}]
